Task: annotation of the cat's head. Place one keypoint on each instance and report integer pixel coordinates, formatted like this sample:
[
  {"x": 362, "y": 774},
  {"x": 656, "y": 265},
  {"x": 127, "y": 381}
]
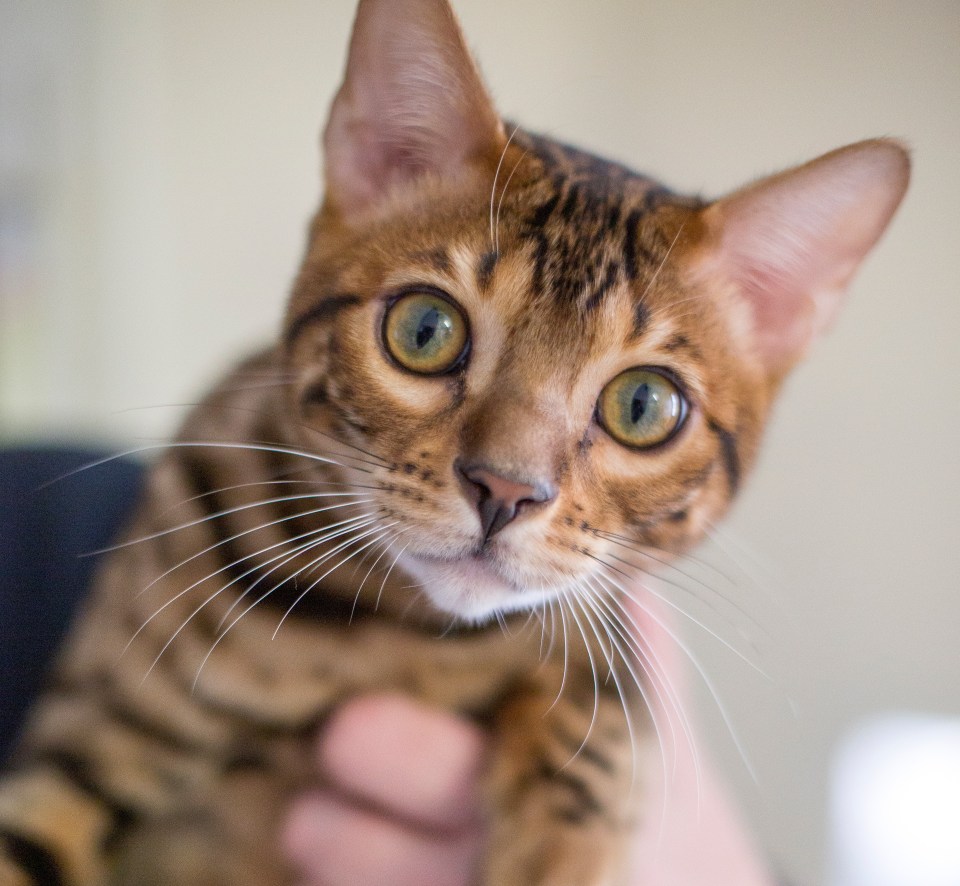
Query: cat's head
[{"x": 558, "y": 370}]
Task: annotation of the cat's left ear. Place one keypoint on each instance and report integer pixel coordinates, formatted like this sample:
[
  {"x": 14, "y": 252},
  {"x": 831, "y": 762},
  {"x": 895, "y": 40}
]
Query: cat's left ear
[
  {"x": 791, "y": 243},
  {"x": 412, "y": 104}
]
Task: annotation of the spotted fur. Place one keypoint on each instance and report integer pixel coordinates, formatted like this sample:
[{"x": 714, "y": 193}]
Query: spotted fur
[{"x": 313, "y": 534}]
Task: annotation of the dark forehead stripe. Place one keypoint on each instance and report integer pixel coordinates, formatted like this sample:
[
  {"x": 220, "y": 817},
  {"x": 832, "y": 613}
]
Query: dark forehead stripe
[
  {"x": 485, "y": 268},
  {"x": 641, "y": 319},
  {"x": 609, "y": 279},
  {"x": 729, "y": 453},
  {"x": 588, "y": 225},
  {"x": 325, "y": 310},
  {"x": 438, "y": 259}
]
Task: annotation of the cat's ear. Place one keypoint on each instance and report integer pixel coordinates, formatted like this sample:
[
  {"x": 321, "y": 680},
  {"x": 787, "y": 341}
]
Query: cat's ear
[
  {"x": 412, "y": 103},
  {"x": 791, "y": 243}
]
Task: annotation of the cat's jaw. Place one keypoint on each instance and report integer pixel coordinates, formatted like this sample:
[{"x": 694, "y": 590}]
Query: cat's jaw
[{"x": 471, "y": 587}]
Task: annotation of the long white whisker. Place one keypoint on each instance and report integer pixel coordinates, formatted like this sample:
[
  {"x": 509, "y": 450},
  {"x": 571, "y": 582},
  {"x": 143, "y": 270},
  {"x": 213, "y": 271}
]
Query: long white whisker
[
  {"x": 503, "y": 193},
  {"x": 317, "y": 581},
  {"x": 257, "y": 528},
  {"x": 677, "y": 608},
  {"x": 572, "y": 599},
  {"x": 703, "y": 601},
  {"x": 383, "y": 553},
  {"x": 212, "y": 597},
  {"x": 186, "y": 444},
  {"x": 330, "y": 532},
  {"x": 701, "y": 671},
  {"x": 631, "y": 651},
  {"x": 250, "y": 608},
  {"x": 496, "y": 175},
  {"x": 236, "y": 509},
  {"x": 575, "y": 601},
  {"x": 656, "y": 273},
  {"x": 566, "y": 652},
  {"x": 650, "y": 553},
  {"x": 255, "y": 568},
  {"x": 609, "y": 626}
]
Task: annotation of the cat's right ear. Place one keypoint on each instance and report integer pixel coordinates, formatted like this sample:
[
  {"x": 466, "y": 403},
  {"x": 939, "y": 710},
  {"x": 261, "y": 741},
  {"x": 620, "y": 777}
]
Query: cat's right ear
[
  {"x": 412, "y": 104},
  {"x": 789, "y": 244}
]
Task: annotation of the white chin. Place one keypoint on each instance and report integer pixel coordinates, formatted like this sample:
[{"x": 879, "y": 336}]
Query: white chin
[{"x": 469, "y": 589}]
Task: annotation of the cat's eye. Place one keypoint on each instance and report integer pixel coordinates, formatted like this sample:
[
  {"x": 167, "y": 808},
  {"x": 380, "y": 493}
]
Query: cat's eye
[
  {"x": 425, "y": 332},
  {"x": 641, "y": 408}
]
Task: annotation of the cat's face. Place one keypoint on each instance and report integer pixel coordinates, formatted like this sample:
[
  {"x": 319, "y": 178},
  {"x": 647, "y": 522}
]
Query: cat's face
[
  {"x": 557, "y": 371},
  {"x": 573, "y": 363}
]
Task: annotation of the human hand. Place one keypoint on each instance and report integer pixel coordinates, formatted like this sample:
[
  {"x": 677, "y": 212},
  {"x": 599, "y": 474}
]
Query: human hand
[
  {"x": 403, "y": 804},
  {"x": 404, "y": 808}
]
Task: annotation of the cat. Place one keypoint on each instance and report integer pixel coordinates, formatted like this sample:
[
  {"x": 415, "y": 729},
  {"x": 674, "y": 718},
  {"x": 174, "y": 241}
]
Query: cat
[{"x": 512, "y": 377}]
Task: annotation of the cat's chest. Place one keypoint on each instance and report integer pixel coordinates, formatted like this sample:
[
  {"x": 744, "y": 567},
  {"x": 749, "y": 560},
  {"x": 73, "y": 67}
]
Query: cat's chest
[{"x": 292, "y": 680}]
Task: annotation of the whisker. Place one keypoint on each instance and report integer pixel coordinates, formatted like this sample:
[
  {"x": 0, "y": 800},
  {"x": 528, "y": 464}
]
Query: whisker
[
  {"x": 255, "y": 568},
  {"x": 609, "y": 625},
  {"x": 503, "y": 193},
  {"x": 687, "y": 615},
  {"x": 573, "y": 599},
  {"x": 223, "y": 513},
  {"x": 330, "y": 532},
  {"x": 644, "y": 548},
  {"x": 656, "y": 273},
  {"x": 566, "y": 652},
  {"x": 225, "y": 568},
  {"x": 496, "y": 175},
  {"x": 631, "y": 650},
  {"x": 373, "y": 566},
  {"x": 249, "y": 609},
  {"x": 202, "y": 444},
  {"x": 317, "y": 581},
  {"x": 383, "y": 584},
  {"x": 699, "y": 597},
  {"x": 260, "y": 526},
  {"x": 701, "y": 671},
  {"x": 632, "y": 636}
]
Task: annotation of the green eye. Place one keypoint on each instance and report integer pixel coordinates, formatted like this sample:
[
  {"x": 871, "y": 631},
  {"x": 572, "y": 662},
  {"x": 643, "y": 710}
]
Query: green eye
[
  {"x": 641, "y": 408},
  {"x": 425, "y": 333}
]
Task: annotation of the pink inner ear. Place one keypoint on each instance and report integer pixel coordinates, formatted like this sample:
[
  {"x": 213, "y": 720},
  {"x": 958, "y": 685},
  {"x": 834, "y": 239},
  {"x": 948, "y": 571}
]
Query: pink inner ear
[
  {"x": 412, "y": 102},
  {"x": 792, "y": 242}
]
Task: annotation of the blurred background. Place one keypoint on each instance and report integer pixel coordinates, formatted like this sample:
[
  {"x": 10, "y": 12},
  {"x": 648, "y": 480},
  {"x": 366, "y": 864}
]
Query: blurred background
[{"x": 158, "y": 162}]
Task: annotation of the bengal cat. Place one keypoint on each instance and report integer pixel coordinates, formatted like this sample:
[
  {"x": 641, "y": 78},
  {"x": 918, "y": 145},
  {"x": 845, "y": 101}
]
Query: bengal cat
[{"x": 513, "y": 377}]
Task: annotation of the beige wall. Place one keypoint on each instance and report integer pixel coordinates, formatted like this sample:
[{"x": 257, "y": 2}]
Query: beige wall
[{"x": 177, "y": 164}]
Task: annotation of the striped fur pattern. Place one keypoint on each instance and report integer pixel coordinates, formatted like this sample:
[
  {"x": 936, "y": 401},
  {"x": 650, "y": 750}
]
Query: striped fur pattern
[{"x": 315, "y": 532}]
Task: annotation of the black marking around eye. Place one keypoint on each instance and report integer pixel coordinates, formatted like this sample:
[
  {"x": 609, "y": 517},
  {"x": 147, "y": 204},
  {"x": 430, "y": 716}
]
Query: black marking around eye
[
  {"x": 729, "y": 453},
  {"x": 328, "y": 308}
]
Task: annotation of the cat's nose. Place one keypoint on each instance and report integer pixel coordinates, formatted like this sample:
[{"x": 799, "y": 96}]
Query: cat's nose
[{"x": 500, "y": 498}]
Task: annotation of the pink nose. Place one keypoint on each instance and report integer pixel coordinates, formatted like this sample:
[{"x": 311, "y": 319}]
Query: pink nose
[{"x": 500, "y": 499}]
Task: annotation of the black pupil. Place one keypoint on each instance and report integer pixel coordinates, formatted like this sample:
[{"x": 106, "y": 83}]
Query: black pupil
[
  {"x": 428, "y": 326},
  {"x": 641, "y": 396}
]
